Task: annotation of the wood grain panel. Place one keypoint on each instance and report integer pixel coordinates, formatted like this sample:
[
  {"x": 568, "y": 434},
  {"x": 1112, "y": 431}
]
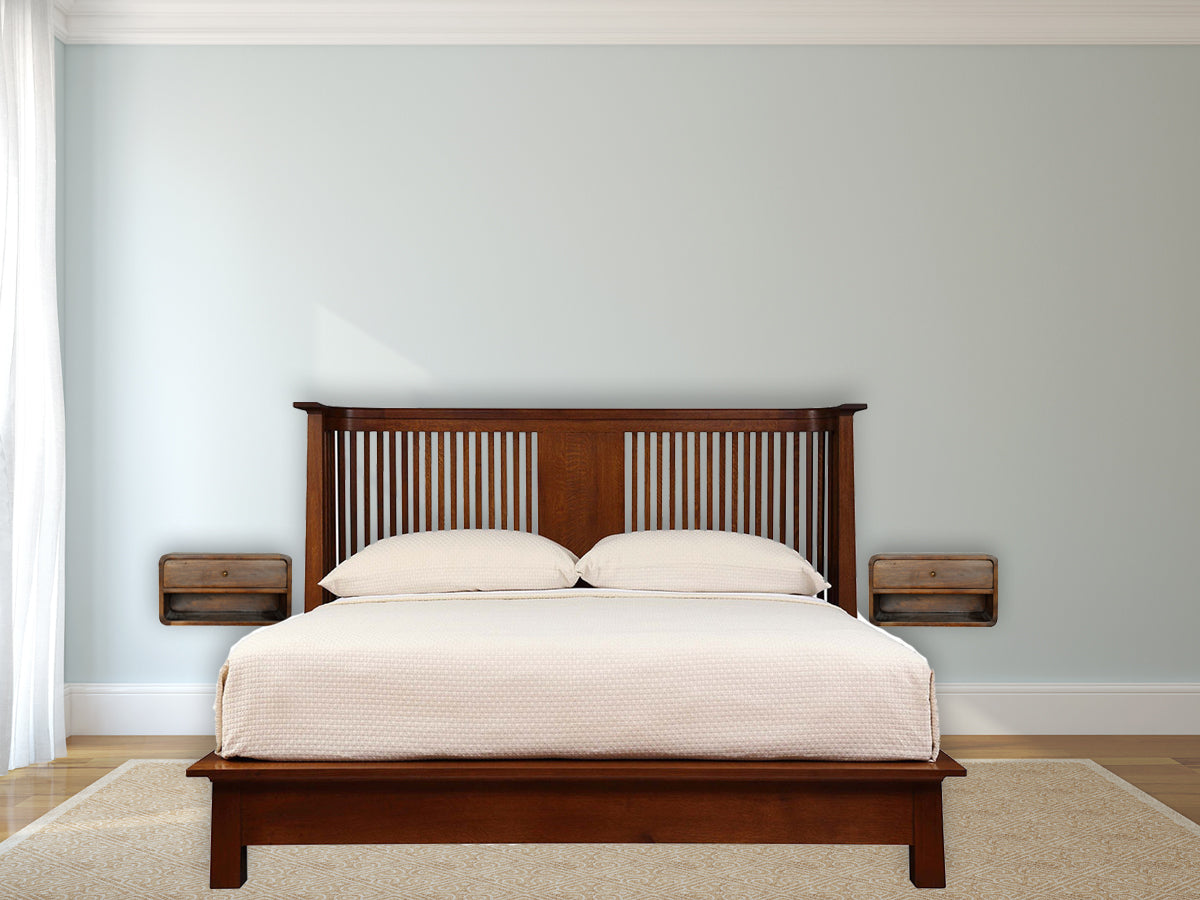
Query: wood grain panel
[
  {"x": 578, "y": 813},
  {"x": 570, "y": 466},
  {"x": 224, "y": 572},
  {"x": 932, "y": 573}
]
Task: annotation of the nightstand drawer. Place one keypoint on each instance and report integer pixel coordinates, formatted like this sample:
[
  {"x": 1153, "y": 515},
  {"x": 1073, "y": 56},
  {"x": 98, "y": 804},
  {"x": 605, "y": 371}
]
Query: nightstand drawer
[
  {"x": 215, "y": 573},
  {"x": 933, "y": 574}
]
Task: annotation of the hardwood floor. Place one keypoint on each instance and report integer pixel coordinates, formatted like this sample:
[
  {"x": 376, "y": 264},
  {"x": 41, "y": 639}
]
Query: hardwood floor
[
  {"x": 1166, "y": 767},
  {"x": 25, "y": 794}
]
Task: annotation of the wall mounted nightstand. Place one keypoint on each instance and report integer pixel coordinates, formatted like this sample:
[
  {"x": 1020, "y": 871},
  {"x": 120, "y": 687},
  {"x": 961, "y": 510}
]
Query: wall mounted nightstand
[
  {"x": 932, "y": 589},
  {"x": 224, "y": 589}
]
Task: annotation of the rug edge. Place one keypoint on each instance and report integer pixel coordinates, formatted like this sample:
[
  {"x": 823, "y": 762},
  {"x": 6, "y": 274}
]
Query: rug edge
[
  {"x": 71, "y": 802},
  {"x": 1174, "y": 815}
]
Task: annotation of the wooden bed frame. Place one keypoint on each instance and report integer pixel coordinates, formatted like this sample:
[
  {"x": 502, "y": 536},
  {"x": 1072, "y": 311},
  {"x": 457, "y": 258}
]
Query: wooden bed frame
[{"x": 576, "y": 475}]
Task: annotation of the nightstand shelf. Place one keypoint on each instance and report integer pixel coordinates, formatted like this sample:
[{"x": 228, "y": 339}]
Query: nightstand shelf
[
  {"x": 224, "y": 589},
  {"x": 933, "y": 589}
]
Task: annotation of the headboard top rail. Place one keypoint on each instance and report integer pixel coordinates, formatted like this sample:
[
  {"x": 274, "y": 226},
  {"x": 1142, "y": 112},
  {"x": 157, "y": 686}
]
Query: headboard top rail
[
  {"x": 579, "y": 420},
  {"x": 627, "y": 419}
]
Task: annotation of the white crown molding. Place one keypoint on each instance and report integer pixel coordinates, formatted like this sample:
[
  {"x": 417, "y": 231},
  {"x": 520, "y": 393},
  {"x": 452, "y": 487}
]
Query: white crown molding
[
  {"x": 58, "y": 18},
  {"x": 627, "y": 21},
  {"x": 963, "y": 708}
]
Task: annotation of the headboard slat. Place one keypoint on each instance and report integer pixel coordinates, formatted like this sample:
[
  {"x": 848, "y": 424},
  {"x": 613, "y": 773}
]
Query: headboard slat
[
  {"x": 379, "y": 504},
  {"x": 578, "y": 475},
  {"x": 759, "y": 445},
  {"x": 662, "y": 505},
  {"x": 713, "y": 477},
  {"x": 528, "y": 492},
  {"x": 353, "y": 492},
  {"x": 427, "y": 478},
  {"x": 819, "y": 550},
  {"x": 482, "y": 509},
  {"x": 503, "y": 501},
  {"x": 797, "y": 455},
  {"x": 647, "y": 509},
  {"x": 742, "y": 485}
]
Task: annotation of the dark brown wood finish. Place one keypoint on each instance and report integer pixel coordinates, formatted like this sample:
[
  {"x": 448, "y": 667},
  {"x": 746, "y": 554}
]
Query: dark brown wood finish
[
  {"x": 228, "y": 840},
  {"x": 224, "y": 589},
  {"x": 580, "y": 466},
  {"x": 581, "y": 474},
  {"x": 576, "y": 801},
  {"x": 926, "y": 853},
  {"x": 933, "y": 589}
]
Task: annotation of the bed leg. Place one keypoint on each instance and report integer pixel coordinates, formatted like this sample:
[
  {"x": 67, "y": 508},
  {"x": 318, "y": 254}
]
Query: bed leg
[
  {"x": 927, "y": 853},
  {"x": 227, "y": 861}
]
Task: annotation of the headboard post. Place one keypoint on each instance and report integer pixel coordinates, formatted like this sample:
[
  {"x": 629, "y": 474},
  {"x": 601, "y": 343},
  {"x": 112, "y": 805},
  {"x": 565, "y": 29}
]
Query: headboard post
[
  {"x": 843, "y": 560},
  {"x": 318, "y": 543}
]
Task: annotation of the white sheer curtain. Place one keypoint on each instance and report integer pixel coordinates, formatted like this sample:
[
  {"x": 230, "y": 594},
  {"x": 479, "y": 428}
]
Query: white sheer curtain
[{"x": 32, "y": 471}]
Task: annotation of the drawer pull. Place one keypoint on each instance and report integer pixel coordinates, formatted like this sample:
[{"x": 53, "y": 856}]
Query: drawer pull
[
  {"x": 932, "y": 573},
  {"x": 225, "y": 573}
]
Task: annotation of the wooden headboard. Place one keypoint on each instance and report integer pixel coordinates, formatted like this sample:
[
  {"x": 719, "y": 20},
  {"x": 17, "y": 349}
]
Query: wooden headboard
[{"x": 577, "y": 475}]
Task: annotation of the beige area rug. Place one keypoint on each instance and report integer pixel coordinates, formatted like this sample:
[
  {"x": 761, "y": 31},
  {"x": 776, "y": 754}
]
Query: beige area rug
[{"x": 1015, "y": 830}]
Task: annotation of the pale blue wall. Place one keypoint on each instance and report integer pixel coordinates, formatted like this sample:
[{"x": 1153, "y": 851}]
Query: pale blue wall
[{"x": 996, "y": 248}]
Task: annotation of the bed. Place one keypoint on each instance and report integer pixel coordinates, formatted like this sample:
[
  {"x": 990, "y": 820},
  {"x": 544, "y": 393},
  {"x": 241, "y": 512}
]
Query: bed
[{"x": 574, "y": 477}]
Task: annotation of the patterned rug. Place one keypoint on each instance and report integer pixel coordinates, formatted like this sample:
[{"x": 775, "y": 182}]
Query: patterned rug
[{"x": 1015, "y": 830}]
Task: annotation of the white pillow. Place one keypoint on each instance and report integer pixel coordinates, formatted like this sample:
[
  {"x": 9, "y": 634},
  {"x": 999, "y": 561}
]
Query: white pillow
[
  {"x": 430, "y": 562},
  {"x": 698, "y": 561}
]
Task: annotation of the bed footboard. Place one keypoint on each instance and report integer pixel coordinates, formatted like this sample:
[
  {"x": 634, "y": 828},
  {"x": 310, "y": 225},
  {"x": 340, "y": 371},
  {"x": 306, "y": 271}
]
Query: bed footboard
[{"x": 576, "y": 801}]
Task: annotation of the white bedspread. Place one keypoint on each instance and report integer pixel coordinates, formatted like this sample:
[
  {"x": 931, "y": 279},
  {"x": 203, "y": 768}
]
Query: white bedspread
[{"x": 575, "y": 673}]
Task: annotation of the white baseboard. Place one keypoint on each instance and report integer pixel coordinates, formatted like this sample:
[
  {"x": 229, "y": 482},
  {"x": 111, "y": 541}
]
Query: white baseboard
[
  {"x": 1172, "y": 708},
  {"x": 964, "y": 708},
  {"x": 139, "y": 708}
]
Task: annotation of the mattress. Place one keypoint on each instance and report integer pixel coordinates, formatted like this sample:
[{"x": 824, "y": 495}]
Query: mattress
[{"x": 576, "y": 673}]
